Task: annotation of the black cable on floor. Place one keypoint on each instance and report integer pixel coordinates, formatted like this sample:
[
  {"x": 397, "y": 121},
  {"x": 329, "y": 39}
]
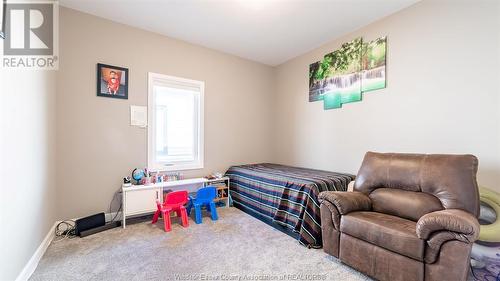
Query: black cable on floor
[{"x": 65, "y": 229}]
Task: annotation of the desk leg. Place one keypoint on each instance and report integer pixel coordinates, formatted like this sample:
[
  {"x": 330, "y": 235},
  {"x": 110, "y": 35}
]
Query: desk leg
[
  {"x": 228, "y": 195},
  {"x": 124, "y": 207}
]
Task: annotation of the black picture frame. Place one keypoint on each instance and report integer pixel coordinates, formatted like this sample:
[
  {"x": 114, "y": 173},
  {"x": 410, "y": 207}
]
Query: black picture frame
[
  {"x": 3, "y": 16},
  {"x": 104, "y": 72}
]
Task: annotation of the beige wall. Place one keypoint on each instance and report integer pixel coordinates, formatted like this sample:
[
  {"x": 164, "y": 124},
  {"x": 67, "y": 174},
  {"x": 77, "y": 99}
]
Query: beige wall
[
  {"x": 442, "y": 94},
  {"x": 442, "y": 97},
  {"x": 27, "y": 189},
  {"x": 96, "y": 147}
]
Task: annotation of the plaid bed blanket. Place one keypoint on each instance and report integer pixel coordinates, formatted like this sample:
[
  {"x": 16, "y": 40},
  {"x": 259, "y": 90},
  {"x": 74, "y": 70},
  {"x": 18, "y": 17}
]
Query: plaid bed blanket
[{"x": 286, "y": 195}]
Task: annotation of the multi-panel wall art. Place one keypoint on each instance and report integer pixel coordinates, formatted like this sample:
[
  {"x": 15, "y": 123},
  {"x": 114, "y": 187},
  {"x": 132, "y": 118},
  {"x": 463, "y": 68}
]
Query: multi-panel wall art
[{"x": 343, "y": 75}]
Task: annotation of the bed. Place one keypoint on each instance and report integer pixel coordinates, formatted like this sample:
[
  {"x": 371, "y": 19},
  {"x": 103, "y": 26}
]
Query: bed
[{"x": 285, "y": 196}]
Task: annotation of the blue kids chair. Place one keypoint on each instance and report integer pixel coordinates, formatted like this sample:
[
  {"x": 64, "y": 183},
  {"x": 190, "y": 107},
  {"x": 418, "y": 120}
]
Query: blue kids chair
[{"x": 204, "y": 197}]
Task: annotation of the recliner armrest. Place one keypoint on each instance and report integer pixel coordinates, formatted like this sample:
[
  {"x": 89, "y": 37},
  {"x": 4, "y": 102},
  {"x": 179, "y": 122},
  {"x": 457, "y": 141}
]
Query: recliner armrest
[
  {"x": 346, "y": 202},
  {"x": 453, "y": 220}
]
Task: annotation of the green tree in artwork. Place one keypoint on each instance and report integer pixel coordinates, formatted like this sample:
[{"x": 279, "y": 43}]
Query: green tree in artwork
[
  {"x": 373, "y": 54},
  {"x": 318, "y": 70},
  {"x": 344, "y": 60},
  {"x": 313, "y": 72}
]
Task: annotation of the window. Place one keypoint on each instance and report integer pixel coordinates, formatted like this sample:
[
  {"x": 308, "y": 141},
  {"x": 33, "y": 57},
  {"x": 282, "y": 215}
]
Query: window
[{"x": 175, "y": 115}]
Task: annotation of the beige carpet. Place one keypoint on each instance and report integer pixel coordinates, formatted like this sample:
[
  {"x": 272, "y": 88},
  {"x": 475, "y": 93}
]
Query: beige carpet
[{"x": 236, "y": 247}]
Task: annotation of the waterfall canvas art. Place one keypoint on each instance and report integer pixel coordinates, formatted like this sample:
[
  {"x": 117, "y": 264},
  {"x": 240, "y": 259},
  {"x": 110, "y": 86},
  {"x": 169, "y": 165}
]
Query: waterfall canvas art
[
  {"x": 343, "y": 75},
  {"x": 373, "y": 65}
]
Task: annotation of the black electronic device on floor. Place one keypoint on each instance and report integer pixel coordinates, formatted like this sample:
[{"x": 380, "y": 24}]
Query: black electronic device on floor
[{"x": 93, "y": 224}]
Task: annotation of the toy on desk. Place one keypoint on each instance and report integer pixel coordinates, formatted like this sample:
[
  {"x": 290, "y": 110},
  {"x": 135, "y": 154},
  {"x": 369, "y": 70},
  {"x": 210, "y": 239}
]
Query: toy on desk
[
  {"x": 214, "y": 176},
  {"x": 138, "y": 174},
  {"x": 127, "y": 181},
  {"x": 156, "y": 177},
  {"x": 204, "y": 198},
  {"x": 173, "y": 176},
  {"x": 173, "y": 201}
]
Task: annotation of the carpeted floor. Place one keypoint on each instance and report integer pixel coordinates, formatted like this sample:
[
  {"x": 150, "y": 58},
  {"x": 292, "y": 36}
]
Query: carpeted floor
[{"x": 236, "y": 247}]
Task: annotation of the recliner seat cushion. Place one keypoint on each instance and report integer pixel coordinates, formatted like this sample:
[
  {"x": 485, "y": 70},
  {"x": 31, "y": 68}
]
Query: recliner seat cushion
[{"x": 392, "y": 233}]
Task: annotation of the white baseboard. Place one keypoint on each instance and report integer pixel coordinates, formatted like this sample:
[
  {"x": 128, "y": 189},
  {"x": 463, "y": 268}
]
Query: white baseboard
[{"x": 30, "y": 267}]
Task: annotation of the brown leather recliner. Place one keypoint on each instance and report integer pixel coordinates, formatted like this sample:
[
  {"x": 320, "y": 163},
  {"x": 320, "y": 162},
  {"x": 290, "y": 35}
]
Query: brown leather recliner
[{"x": 410, "y": 217}]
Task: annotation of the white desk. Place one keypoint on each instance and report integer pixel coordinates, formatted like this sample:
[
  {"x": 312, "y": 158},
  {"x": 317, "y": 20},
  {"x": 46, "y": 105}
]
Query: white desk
[{"x": 141, "y": 199}]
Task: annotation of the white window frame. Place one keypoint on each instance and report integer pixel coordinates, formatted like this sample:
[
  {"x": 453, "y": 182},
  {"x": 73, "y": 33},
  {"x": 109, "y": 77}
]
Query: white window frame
[{"x": 155, "y": 78}]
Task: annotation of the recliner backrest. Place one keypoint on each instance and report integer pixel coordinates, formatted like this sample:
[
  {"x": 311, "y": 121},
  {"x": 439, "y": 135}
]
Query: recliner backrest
[{"x": 411, "y": 185}]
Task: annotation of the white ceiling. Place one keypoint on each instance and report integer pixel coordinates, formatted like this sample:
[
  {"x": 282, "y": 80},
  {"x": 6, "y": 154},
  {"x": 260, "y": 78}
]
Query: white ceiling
[{"x": 266, "y": 31}]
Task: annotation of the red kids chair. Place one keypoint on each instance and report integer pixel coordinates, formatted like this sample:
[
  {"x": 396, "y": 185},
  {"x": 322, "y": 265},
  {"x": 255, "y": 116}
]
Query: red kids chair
[{"x": 173, "y": 201}]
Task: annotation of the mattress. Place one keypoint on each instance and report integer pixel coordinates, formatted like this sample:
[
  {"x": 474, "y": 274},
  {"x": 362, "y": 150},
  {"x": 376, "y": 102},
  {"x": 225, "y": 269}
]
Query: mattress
[{"x": 285, "y": 195}]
